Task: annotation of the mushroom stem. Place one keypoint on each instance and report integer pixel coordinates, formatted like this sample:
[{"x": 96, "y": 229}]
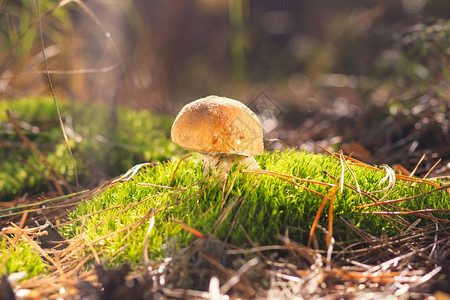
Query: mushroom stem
[{"x": 221, "y": 162}]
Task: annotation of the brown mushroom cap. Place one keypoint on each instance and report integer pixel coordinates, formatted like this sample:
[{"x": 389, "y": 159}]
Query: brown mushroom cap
[{"x": 219, "y": 125}]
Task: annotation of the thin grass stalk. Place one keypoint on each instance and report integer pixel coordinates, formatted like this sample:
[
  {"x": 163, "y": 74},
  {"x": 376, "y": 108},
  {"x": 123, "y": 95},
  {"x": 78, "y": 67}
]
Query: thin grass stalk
[
  {"x": 52, "y": 90},
  {"x": 319, "y": 212}
]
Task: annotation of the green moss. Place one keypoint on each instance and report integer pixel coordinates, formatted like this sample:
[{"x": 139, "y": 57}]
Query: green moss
[
  {"x": 103, "y": 144},
  {"x": 263, "y": 206},
  {"x": 19, "y": 259}
]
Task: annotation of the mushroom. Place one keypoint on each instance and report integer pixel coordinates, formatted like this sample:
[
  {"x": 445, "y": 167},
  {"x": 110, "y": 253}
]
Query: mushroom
[{"x": 222, "y": 130}]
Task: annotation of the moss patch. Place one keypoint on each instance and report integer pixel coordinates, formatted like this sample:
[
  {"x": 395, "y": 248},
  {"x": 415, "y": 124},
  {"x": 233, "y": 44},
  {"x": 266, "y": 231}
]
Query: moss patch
[
  {"x": 104, "y": 144},
  {"x": 19, "y": 258},
  {"x": 259, "y": 206}
]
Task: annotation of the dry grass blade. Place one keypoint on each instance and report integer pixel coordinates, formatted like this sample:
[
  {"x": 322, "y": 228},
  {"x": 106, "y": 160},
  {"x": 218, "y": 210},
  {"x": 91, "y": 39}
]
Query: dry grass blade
[
  {"x": 418, "y": 180},
  {"x": 234, "y": 222},
  {"x": 276, "y": 174},
  {"x": 417, "y": 166},
  {"x": 91, "y": 247},
  {"x": 176, "y": 168},
  {"x": 160, "y": 186},
  {"x": 52, "y": 90},
  {"x": 40, "y": 203},
  {"x": 189, "y": 229},
  {"x": 146, "y": 240},
  {"x": 431, "y": 169},
  {"x": 427, "y": 210},
  {"x": 136, "y": 225},
  {"x": 342, "y": 178},
  {"x": 126, "y": 228},
  {"x": 301, "y": 186},
  {"x": 330, "y": 220},
  {"x": 235, "y": 279},
  {"x": 404, "y": 199},
  {"x": 365, "y": 236},
  {"x": 390, "y": 177},
  {"x": 427, "y": 277},
  {"x": 252, "y": 243},
  {"x": 214, "y": 289},
  {"x": 227, "y": 194},
  {"x": 225, "y": 213},
  {"x": 256, "y": 249},
  {"x": 358, "y": 189},
  {"x": 331, "y": 194},
  {"x": 131, "y": 173},
  {"x": 244, "y": 286},
  {"x": 285, "y": 177}
]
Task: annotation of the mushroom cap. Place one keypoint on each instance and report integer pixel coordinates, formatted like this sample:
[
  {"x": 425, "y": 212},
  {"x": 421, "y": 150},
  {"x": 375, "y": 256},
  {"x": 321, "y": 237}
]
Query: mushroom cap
[{"x": 218, "y": 125}]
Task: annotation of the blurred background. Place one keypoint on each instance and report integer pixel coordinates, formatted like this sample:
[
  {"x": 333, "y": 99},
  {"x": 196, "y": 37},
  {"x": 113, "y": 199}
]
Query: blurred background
[{"x": 368, "y": 77}]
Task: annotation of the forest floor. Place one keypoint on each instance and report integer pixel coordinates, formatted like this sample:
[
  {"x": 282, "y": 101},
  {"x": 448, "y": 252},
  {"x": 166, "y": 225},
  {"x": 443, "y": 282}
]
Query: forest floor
[{"x": 414, "y": 263}]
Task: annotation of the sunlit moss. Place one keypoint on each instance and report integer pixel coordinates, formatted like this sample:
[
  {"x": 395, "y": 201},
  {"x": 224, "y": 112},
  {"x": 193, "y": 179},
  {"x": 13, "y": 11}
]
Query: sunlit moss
[
  {"x": 20, "y": 258},
  {"x": 258, "y": 205}
]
